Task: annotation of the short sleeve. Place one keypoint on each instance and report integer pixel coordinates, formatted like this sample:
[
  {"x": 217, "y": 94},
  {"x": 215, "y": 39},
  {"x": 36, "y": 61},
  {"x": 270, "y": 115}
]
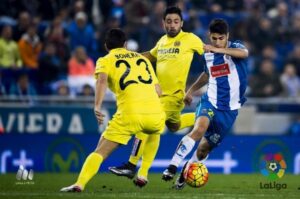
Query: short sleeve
[
  {"x": 102, "y": 66},
  {"x": 238, "y": 44},
  {"x": 196, "y": 44}
]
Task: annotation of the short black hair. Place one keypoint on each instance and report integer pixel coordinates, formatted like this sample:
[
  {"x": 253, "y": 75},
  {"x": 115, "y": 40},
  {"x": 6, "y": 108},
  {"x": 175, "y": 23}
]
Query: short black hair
[
  {"x": 173, "y": 10},
  {"x": 218, "y": 26},
  {"x": 115, "y": 38}
]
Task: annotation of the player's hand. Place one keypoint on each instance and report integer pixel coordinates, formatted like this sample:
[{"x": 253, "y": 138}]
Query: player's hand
[
  {"x": 210, "y": 48},
  {"x": 99, "y": 116},
  {"x": 188, "y": 98}
]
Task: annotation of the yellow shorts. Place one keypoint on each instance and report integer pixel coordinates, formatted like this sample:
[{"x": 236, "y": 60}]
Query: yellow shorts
[
  {"x": 173, "y": 105},
  {"x": 123, "y": 126}
]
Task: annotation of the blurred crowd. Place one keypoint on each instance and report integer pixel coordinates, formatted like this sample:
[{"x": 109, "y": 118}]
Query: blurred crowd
[{"x": 50, "y": 47}]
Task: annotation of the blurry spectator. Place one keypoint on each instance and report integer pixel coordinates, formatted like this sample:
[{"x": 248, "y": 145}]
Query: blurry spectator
[
  {"x": 56, "y": 34},
  {"x": 79, "y": 6},
  {"x": 30, "y": 48},
  {"x": 22, "y": 87},
  {"x": 231, "y": 5},
  {"x": 112, "y": 22},
  {"x": 290, "y": 81},
  {"x": 118, "y": 12},
  {"x": 62, "y": 89},
  {"x": 137, "y": 16},
  {"x": 50, "y": 67},
  {"x": 294, "y": 58},
  {"x": 81, "y": 70},
  {"x": 267, "y": 82},
  {"x": 87, "y": 91},
  {"x": 82, "y": 34},
  {"x": 9, "y": 51},
  {"x": 24, "y": 22},
  {"x": 262, "y": 34},
  {"x": 156, "y": 25},
  {"x": 269, "y": 52},
  {"x": 282, "y": 22},
  {"x": 295, "y": 29}
]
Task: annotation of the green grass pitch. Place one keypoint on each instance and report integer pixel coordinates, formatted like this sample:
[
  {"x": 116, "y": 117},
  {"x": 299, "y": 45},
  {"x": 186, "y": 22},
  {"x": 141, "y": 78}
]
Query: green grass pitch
[{"x": 105, "y": 185}]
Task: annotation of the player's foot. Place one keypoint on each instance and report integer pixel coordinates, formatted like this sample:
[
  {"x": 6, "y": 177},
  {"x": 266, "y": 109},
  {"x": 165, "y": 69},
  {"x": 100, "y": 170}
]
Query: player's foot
[
  {"x": 140, "y": 181},
  {"x": 169, "y": 173},
  {"x": 126, "y": 169},
  {"x": 180, "y": 181},
  {"x": 72, "y": 188}
]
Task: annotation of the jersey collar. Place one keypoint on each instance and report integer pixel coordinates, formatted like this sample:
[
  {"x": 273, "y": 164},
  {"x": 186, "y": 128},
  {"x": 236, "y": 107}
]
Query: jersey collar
[{"x": 116, "y": 49}]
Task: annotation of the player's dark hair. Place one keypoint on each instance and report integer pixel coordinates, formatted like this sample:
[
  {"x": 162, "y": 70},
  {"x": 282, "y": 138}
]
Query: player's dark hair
[
  {"x": 218, "y": 26},
  {"x": 173, "y": 10},
  {"x": 115, "y": 38}
]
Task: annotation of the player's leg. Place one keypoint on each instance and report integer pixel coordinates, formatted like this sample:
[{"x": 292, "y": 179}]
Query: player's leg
[
  {"x": 219, "y": 127},
  {"x": 200, "y": 155},
  {"x": 187, "y": 120},
  {"x": 116, "y": 133},
  {"x": 129, "y": 169},
  {"x": 141, "y": 142},
  {"x": 186, "y": 145},
  {"x": 153, "y": 126},
  {"x": 92, "y": 164},
  {"x": 150, "y": 150}
]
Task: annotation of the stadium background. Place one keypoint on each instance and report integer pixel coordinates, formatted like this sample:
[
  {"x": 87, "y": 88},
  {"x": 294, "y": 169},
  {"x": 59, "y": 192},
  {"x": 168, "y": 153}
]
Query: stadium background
[{"x": 46, "y": 107}]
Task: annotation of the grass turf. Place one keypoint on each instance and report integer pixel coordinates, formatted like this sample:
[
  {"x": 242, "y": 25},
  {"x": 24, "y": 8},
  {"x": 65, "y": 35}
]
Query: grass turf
[{"x": 110, "y": 186}]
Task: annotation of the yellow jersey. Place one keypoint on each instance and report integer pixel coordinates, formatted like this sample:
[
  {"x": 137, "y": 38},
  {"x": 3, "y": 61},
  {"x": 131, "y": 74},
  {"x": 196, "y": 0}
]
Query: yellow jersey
[
  {"x": 131, "y": 77},
  {"x": 174, "y": 56}
]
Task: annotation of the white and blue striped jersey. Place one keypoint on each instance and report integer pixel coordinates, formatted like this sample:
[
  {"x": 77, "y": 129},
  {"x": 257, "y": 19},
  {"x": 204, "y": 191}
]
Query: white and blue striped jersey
[{"x": 227, "y": 79}]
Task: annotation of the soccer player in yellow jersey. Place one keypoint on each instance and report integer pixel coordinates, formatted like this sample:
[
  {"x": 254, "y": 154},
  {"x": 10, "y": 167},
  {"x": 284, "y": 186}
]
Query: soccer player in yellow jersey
[
  {"x": 173, "y": 54},
  {"x": 131, "y": 77}
]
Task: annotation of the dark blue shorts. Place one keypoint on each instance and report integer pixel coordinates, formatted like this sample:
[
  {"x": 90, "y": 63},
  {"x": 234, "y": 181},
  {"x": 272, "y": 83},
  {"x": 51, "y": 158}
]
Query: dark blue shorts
[{"x": 220, "y": 121}]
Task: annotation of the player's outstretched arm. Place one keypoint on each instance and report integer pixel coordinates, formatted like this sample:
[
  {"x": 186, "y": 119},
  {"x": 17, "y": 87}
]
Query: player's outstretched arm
[
  {"x": 201, "y": 81},
  {"x": 234, "y": 52},
  {"x": 101, "y": 85},
  {"x": 149, "y": 56},
  {"x": 158, "y": 90}
]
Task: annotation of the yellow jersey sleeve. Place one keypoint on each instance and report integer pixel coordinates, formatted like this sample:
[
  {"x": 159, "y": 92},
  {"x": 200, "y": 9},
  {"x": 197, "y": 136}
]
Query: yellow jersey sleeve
[
  {"x": 153, "y": 51},
  {"x": 102, "y": 66},
  {"x": 196, "y": 44}
]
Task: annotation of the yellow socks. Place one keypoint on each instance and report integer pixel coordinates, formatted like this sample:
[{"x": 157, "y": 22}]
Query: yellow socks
[
  {"x": 89, "y": 169},
  {"x": 149, "y": 154},
  {"x": 187, "y": 120},
  {"x": 138, "y": 148}
]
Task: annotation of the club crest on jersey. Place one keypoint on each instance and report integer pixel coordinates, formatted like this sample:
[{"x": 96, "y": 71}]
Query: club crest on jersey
[
  {"x": 210, "y": 113},
  {"x": 219, "y": 70},
  {"x": 177, "y": 43}
]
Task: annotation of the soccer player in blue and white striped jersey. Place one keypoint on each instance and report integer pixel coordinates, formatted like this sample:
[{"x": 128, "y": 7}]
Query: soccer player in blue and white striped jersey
[{"x": 226, "y": 75}]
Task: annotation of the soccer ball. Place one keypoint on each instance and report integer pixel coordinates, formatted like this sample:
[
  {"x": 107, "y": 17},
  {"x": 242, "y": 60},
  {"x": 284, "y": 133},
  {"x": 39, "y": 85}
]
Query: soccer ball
[{"x": 196, "y": 174}]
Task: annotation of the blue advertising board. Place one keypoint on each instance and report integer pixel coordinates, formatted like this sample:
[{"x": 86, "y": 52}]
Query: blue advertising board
[{"x": 66, "y": 153}]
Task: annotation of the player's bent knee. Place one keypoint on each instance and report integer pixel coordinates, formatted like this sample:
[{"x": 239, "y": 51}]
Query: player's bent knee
[{"x": 172, "y": 127}]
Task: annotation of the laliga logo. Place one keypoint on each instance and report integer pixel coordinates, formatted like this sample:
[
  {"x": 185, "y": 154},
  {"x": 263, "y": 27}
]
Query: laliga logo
[{"x": 273, "y": 166}]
